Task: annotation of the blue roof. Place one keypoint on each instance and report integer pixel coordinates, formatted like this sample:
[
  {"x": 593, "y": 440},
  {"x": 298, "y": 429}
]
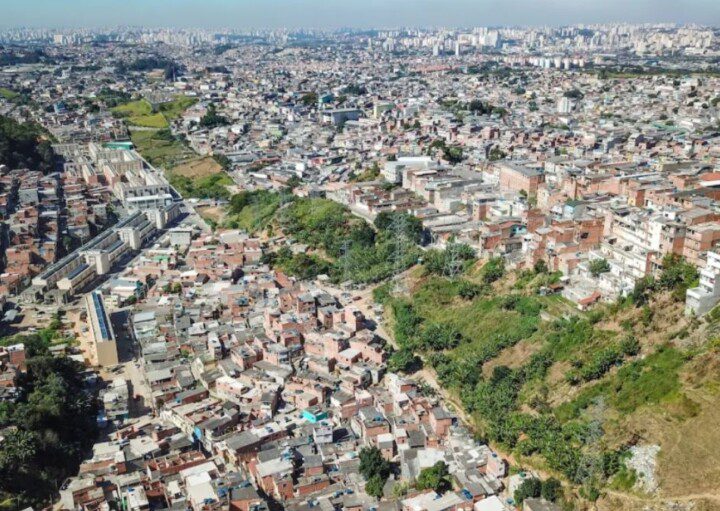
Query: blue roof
[
  {"x": 77, "y": 271},
  {"x": 114, "y": 246},
  {"x": 102, "y": 317}
]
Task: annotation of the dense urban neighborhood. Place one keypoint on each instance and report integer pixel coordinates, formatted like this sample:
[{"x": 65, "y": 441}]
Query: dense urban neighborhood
[{"x": 384, "y": 270}]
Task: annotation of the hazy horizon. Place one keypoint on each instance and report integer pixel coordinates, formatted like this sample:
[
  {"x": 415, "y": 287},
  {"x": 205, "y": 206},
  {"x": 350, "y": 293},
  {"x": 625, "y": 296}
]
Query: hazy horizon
[{"x": 333, "y": 14}]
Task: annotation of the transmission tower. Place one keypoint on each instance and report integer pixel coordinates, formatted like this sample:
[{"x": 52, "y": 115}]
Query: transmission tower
[
  {"x": 345, "y": 261},
  {"x": 399, "y": 227},
  {"x": 590, "y": 468}
]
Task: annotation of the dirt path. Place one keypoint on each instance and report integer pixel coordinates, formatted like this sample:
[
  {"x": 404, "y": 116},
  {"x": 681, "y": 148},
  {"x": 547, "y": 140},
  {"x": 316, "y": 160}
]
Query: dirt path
[
  {"x": 658, "y": 500},
  {"x": 426, "y": 374},
  {"x": 618, "y": 501}
]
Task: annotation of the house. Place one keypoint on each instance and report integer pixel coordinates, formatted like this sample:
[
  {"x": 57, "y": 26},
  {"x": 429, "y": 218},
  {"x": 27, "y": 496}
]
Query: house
[{"x": 492, "y": 503}]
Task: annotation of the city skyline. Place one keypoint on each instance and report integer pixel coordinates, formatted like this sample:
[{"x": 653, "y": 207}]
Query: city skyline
[
  {"x": 359, "y": 255},
  {"x": 318, "y": 14}
]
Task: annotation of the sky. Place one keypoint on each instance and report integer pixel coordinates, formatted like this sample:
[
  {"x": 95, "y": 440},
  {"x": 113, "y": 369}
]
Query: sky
[{"x": 331, "y": 14}]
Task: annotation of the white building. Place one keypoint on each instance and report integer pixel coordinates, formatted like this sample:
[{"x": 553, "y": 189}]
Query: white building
[
  {"x": 565, "y": 105},
  {"x": 392, "y": 171},
  {"x": 700, "y": 300}
]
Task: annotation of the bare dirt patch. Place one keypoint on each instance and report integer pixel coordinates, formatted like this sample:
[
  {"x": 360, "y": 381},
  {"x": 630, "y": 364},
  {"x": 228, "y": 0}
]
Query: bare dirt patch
[
  {"x": 199, "y": 168},
  {"x": 688, "y": 462},
  {"x": 212, "y": 213},
  {"x": 512, "y": 357}
]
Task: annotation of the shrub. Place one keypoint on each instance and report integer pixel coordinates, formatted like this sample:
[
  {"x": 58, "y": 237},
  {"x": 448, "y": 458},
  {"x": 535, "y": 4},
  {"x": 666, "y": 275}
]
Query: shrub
[
  {"x": 529, "y": 488},
  {"x": 493, "y": 270},
  {"x": 598, "y": 266}
]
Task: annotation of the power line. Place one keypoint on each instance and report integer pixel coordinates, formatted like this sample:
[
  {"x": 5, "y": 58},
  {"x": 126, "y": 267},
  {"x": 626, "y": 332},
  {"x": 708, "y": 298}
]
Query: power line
[{"x": 399, "y": 228}]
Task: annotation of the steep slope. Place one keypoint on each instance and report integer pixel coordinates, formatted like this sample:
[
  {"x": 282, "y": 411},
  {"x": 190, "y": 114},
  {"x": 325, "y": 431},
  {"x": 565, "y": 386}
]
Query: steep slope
[{"x": 571, "y": 393}]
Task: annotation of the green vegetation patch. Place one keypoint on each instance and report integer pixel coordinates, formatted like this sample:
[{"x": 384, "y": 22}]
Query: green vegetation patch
[
  {"x": 362, "y": 254},
  {"x": 141, "y": 112},
  {"x": 25, "y": 145},
  {"x": 160, "y": 147},
  {"x": 253, "y": 210},
  {"x": 8, "y": 93},
  {"x": 133, "y": 108},
  {"x": 346, "y": 247},
  {"x": 49, "y": 430},
  {"x": 174, "y": 109},
  {"x": 213, "y": 186},
  {"x": 646, "y": 381},
  {"x": 302, "y": 266},
  {"x": 458, "y": 324}
]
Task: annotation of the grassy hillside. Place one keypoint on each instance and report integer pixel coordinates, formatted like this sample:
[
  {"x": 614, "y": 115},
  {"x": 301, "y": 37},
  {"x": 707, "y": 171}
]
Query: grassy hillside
[
  {"x": 341, "y": 244},
  {"x": 252, "y": 211},
  {"x": 140, "y": 112},
  {"x": 161, "y": 148},
  {"x": 8, "y": 94},
  {"x": 568, "y": 393}
]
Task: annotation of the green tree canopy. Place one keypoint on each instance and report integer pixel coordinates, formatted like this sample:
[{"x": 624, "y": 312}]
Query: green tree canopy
[
  {"x": 435, "y": 478},
  {"x": 598, "y": 266},
  {"x": 25, "y": 145},
  {"x": 54, "y": 426},
  {"x": 529, "y": 488},
  {"x": 373, "y": 464}
]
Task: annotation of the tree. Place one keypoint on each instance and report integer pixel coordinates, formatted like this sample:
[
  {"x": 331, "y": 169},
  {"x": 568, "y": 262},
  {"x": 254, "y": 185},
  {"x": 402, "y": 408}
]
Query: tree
[
  {"x": 677, "y": 276},
  {"x": 551, "y": 489},
  {"x": 309, "y": 99},
  {"x": 496, "y": 154},
  {"x": 223, "y": 161},
  {"x": 453, "y": 154},
  {"x": 493, "y": 270},
  {"x": 374, "y": 486},
  {"x": 439, "y": 336},
  {"x": 53, "y": 426},
  {"x": 529, "y": 488},
  {"x": 212, "y": 119},
  {"x": 598, "y": 266},
  {"x": 436, "y": 478},
  {"x": 407, "y": 322},
  {"x": 540, "y": 266},
  {"x": 642, "y": 291},
  {"x": 450, "y": 261},
  {"x": 573, "y": 94},
  {"x": 404, "y": 361},
  {"x": 400, "y": 489},
  {"x": 375, "y": 469},
  {"x": 354, "y": 90},
  {"x": 25, "y": 145},
  {"x": 35, "y": 344},
  {"x": 372, "y": 464}
]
